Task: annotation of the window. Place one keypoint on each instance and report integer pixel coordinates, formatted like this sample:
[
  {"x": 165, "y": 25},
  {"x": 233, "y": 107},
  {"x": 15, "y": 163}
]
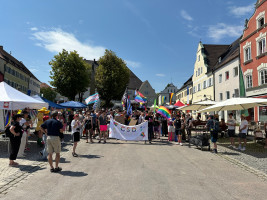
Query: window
[
  {"x": 249, "y": 81},
  {"x": 194, "y": 89},
  {"x": 201, "y": 70},
  {"x": 247, "y": 54},
  {"x": 260, "y": 19},
  {"x": 220, "y": 59},
  {"x": 210, "y": 81},
  {"x": 198, "y": 71},
  {"x": 263, "y": 76},
  {"x": 198, "y": 87},
  {"x": 198, "y": 58},
  {"x": 220, "y": 78},
  {"x": 221, "y": 96},
  {"x": 204, "y": 85},
  {"x": 227, "y": 95},
  {"x": 235, "y": 71},
  {"x": 261, "y": 46},
  {"x": 227, "y": 75},
  {"x": 236, "y": 92},
  {"x": 261, "y": 22}
]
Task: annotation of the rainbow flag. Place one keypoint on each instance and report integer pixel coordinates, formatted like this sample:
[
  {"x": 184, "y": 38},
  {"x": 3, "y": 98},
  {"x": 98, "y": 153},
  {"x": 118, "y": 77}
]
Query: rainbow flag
[
  {"x": 164, "y": 112},
  {"x": 140, "y": 99},
  {"x": 8, "y": 119}
]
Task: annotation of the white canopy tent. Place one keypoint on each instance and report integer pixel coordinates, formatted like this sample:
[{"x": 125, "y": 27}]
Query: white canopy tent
[
  {"x": 236, "y": 104},
  {"x": 12, "y": 99},
  {"x": 198, "y": 105}
]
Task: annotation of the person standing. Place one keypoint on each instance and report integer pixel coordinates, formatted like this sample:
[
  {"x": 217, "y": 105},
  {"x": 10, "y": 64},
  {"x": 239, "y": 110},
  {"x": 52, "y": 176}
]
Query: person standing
[
  {"x": 23, "y": 124},
  {"x": 75, "y": 129},
  {"x": 178, "y": 124},
  {"x": 231, "y": 130},
  {"x": 53, "y": 128},
  {"x": 157, "y": 126},
  {"x": 149, "y": 118},
  {"x": 211, "y": 125},
  {"x": 171, "y": 129},
  {"x": 88, "y": 126},
  {"x": 243, "y": 129},
  {"x": 15, "y": 139},
  {"x": 103, "y": 127}
]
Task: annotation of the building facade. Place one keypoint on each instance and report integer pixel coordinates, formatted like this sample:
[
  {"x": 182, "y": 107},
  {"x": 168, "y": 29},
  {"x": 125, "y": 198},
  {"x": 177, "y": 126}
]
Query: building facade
[
  {"x": 17, "y": 75},
  {"x": 226, "y": 77},
  {"x": 147, "y": 90},
  {"x": 206, "y": 58},
  {"x": 253, "y": 58},
  {"x": 185, "y": 93},
  {"x": 164, "y": 95}
]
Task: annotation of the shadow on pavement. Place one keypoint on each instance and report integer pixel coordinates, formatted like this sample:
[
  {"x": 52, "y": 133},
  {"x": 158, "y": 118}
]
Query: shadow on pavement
[
  {"x": 230, "y": 153},
  {"x": 63, "y": 160},
  {"x": 90, "y": 156},
  {"x": 74, "y": 174},
  {"x": 29, "y": 168}
]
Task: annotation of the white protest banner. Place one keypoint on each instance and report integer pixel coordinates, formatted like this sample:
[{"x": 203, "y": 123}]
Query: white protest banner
[
  {"x": 123, "y": 132},
  {"x": 92, "y": 99}
]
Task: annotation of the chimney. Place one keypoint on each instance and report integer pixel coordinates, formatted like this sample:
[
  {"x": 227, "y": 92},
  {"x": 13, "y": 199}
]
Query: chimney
[{"x": 1, "y": 48}]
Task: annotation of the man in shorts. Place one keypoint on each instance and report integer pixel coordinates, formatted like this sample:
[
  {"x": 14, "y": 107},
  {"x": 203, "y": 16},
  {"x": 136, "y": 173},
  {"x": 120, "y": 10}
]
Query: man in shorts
[
  {"x": 243, "y": 129},
  {"x": 52, "y": 128},
  {"x": 231, "y": 129}
]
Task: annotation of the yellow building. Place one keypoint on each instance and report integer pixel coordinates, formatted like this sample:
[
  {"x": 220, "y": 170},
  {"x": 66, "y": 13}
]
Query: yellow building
[
  {"x": 206, "y": 58},
  {"x": 185, "y": 93}
]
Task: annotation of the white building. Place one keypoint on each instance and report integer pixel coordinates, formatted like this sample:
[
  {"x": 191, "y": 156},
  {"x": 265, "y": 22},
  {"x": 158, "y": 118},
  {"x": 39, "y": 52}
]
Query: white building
[
  {"x": 164, "y": 95},
  {"x": 226, "y": 77}
]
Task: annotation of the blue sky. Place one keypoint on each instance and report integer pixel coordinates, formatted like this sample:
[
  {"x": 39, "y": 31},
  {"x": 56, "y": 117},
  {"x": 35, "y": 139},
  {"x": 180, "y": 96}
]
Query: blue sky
[{"x": 158, "y": 39}]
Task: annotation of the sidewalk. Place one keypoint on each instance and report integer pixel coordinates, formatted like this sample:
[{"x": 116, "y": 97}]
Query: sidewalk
[{"x": 32, "y": 162}]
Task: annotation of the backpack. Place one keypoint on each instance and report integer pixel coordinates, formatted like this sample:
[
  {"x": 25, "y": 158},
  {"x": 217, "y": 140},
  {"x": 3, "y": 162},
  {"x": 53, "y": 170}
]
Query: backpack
[
  {"x": 7, "y": 132},
  {"x": 215, "y": 126}
]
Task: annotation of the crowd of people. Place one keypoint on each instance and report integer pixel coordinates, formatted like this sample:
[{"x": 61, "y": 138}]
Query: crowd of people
[{"x": 93, "y": 125}]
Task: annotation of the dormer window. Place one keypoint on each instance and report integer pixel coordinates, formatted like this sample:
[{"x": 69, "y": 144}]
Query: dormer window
[
  {"x": 260, "y": 19},
  {"x": 220, "y": 60},
  {"x": 261, "y": 22}
]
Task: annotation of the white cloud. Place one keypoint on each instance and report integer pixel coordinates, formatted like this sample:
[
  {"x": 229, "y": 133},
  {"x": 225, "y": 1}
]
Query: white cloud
[
  {"x": 221, "y": 30},
  {"x": 55, "y": 40},
  {"x": 34, "y": 29},
  {"x": 133, "y": 64},
  {"x": 161, "y": 75},
  {"x": 33, "y": 70},
  {"x": 186, "y": 16},
  {"x": 242, "y": 10}
]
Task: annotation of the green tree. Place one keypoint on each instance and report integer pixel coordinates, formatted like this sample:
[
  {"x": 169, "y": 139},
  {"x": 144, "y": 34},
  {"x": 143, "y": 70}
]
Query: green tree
[
  {"x": 112, "y": 77},
  {"x": 48, "y": 93},
  {"x": 70, "y": 74}
]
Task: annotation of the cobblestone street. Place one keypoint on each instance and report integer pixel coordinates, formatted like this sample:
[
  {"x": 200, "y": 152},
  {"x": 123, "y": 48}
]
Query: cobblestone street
[{"x": 31, "y": 166}]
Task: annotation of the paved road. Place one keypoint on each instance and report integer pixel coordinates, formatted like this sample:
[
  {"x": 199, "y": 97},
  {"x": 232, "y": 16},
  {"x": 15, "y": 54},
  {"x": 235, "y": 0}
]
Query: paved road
[{"x": 132, "y": 170}]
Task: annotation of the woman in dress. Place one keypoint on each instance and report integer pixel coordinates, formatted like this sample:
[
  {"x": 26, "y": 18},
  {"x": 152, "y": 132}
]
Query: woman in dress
[{"x": 15, "y": 139}]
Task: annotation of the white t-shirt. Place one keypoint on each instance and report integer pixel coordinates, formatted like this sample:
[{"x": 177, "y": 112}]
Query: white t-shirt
[
  {"x": 232, "y": 122},
  {"x": 74, "y": 130},
  {"x": 242, "y": 125}
]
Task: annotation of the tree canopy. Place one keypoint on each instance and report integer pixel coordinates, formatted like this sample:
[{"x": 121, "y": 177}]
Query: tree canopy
[
  {"x": 70, "y": 74},
  {"x": 112, "y": 77},
  {"x": 48, "y": 93}
]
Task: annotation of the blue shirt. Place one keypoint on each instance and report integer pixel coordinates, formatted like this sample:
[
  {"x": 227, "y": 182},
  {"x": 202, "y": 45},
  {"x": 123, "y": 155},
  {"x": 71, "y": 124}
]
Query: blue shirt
[{"x": 53, "y": 127}]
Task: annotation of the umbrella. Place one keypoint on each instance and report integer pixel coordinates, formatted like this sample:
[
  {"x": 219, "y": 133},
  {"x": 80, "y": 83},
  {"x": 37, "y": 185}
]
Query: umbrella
[
  {"x": 73, "y": 104},
  {"x": 171, "y": 107},
  {"x": 198, "y": 105},
  {"x": 236, "y": 104},
  {"x": 179, "y": 104}
]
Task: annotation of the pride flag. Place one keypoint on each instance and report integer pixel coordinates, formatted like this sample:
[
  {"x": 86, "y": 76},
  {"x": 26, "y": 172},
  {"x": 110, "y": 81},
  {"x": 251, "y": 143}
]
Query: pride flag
[
  {"x": 140, "y": 99},
  {"x": 164, "y": 112}
]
